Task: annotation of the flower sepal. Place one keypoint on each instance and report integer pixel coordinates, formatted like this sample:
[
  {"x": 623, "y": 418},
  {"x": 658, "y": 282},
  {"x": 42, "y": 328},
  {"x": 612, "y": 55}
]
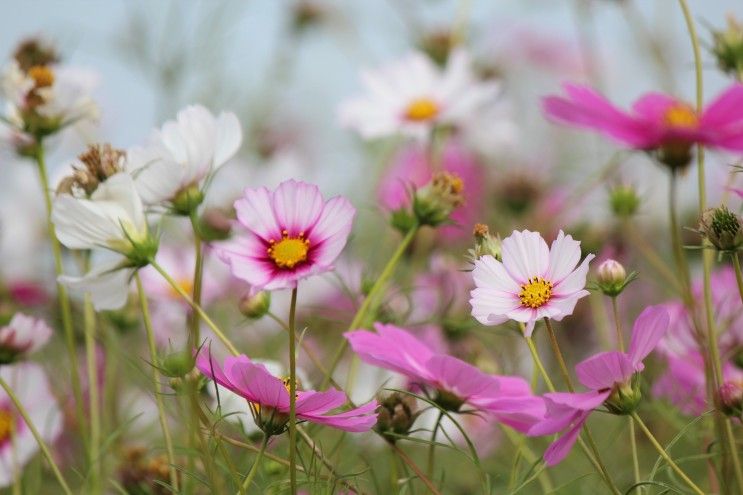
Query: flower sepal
[
  {"x": 624, "y": 398},
  {"x": 395, "y": 415},
  {"x": 448, "y": 401},
  {"x": 187, "y": 200}
]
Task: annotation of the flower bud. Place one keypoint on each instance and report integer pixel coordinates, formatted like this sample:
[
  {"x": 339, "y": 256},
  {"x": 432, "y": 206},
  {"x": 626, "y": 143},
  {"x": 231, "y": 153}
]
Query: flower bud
[
  {"x": 396, "y": 414},
  {"x": 35, "y": 52},
  {"x": 255, "y": 306},
  {"x": 177, "y": 364},
  {"x": 722, "y": 228},
  {"x": 730, "y": 398},
  {"x": 434, "y": 202},
  {"x": 612, "y": 278},
  {"x": 624, "y": 200},
  {"x": 187, "y": 200},
  {"x": 485, "y": 243},
  {"x": 438, "y": 44},
  {"x": 215, "y": 225},
  {"x": 624, "y": 398},
  {"x": 728, "y": 47}
]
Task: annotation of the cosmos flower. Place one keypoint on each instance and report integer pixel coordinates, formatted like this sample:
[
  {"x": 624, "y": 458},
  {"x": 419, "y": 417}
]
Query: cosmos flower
[
  {"x": 23, "y": 335},
  {"x": 532, "y": 282},
  {"x": 657, "y": 121},
  {"x": 292, "y": 233},
  {"x": 113, "y": 219},
  {"x": 183, "y": 156},
  {"x": 412, "y": 95},
  {"x": 30, "y": 384},
  {"x": 609, "y": 377},
  {"x": 455, "y": 382},
  {"x": 268, "y": 397}
]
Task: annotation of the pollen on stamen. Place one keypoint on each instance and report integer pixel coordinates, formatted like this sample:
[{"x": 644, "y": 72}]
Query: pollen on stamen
[{"x": 536, "y": 292}]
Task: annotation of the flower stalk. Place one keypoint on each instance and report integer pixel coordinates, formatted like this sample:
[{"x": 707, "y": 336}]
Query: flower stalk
[
  {"x": 245, "y": 488},
  {"x": 293, "y": 393}
]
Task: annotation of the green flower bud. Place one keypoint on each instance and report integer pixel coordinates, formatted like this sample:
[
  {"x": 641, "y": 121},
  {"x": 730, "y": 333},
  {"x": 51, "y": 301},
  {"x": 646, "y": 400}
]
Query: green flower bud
[
  {"x": 624, "y": 398},
  {"x": 187, "y": 200},
  {"x": 448, "y": 401},
  {"x": 255, "y": 306},
  {"x": 433, "y": 203},
  {"x": 722, "y": 228},
  {"x": 612, "y": 278},
  {"x": 177, "y": 364},
  {"x": 728, "y": 47},
  {"x": 485, "y": 243},
  {"x": 396, "y": 414},
  {"x": 624, "y": 200}
]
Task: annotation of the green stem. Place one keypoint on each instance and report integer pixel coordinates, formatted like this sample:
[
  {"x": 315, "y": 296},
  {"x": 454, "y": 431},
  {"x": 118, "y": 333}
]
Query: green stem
[
  {"x": 617, "y": 323},
  {"x": 414, "y": 467},
  {"x": 95, "y": 413},
  {"x": 371, "y": 300},
  {"x": 432, "y": 445},
  {"x": 738, "y": 275},
  {"x": 253, "y": 470},
  {"x": 64, "y": 300},
  {"x": 156, "y": 378},
  {"x": 37, "y": 436},
  {"x": 707, "y": 253},
  {"x": 198, "y": 276},
  {"x": 293, "y": 394},
  {"x": 635, "y": 458},
  {"x": 665, "y": 455},
  {"x": 202, "y": 314},
  {"x": 518, "y": 441},
  {"x": 538, "y": 364}
]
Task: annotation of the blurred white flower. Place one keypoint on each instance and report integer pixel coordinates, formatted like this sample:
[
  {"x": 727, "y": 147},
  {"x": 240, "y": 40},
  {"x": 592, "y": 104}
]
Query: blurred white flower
[
  {"x": 113, "y": 219},
  {"x": 183, "y": 155},
  {"x": 23, "y": 335},
  {"x": 412, "y": 95}
]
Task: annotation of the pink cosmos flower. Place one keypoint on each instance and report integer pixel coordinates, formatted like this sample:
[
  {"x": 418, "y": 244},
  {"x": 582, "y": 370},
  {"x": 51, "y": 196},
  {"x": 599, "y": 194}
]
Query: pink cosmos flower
[
  {"x": 23, "y": 335},
  {"x": 608, "y": 375},
  {"x": 292, "y": 233},
  {"x": 411, "y": 168},
  {"x": 656, "y": 119},
  {"x": 532, "y": 281},
  {"x": 269, "y": 398},
  {"x": 456, "y": 383}
]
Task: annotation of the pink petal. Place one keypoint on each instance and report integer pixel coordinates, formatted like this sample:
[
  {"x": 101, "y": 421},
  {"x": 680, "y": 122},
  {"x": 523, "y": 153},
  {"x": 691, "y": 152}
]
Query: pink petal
[
  {"x": 311, "y": 402},
  {"x": 725, "y": 109},
  {"x": 297, "y": 206},
  {"x": 563, "y": 258},
  {"x": 574, "y": 282},
  {"x": 392, "y": 348},
  {"x": 463, "y": 380},
  {"x": 255, "y": 212},
  {"x": 585, "y": 401},
  {"x": 525, "y": 255},
  {"x": 647, "y": 331},
  {"x": 361, "y": 419},
  {"x": 653, "y": 106},
  {"x": 255, "y": 383},
  {"x": 513, "y": 385},
  {"x": 605, "y": 369},
  {"x": 490, "y": 273},
  {"x": 520, "y": 413},
  {"x": 329, "y": 235},
  {"x": 561, "y": 447}
]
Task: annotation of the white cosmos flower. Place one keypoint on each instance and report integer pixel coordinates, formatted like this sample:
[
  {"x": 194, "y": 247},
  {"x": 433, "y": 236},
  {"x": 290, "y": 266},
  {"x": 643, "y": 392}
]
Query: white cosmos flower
[
  {"x": 113, "y": 218},
  {"x": 411, "y": 95},
  {"x": 23, "y": 335},
  {"x": 185, "y": 152},
  {"x": 30, "y": 384}
]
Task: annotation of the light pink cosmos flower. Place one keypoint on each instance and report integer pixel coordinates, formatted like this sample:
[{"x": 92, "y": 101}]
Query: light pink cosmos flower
[
  {"x": 411, "y": 168},
  {"x": 532, "y": 282},
  {"x": 23, "y": 335},
  {"x": 292, "y": 233},
  {"x": 656, "y": 119},
  {"x": 269, "y": 398},
  {"x": 607, "y": 374},
  {"x": 455, "y": 382}
]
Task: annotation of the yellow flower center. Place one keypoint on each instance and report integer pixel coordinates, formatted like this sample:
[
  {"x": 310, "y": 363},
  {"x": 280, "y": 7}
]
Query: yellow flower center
[
  {"x": 422, "y": 109},
  {"x": 42, "y": 75},
  {"x": 185, "y": 284},
  {"x": 536, "y": 292},
  {"x": 681, "y": 115},
  {"x": 6, "y": 425},
  {"x": 289, "y": 251}
]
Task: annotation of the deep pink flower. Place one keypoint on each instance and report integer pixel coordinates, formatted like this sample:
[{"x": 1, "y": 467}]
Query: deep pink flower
[
  {"x": 532, "y": 282},
  {"x": 656, "y": 119},
  {"x": 292, "y": 233},
  {"x": 269, "y": 397},
  {"x": 508, "y": 398},
  {"x": 606, "y": 374},
  {"x": 411, "y": 168}
]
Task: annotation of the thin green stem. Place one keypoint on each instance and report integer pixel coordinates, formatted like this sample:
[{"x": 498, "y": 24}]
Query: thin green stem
[
  {"x": 707, "y": 253},
  {"x": 253, "y": 470},
  {"x": 538, "y": 364},
  {"x": 94, "y": 402},
  {"x": 293, "y": 393},
  {"x": 617, "y": 323},
  {"x": 198, "y": 276},
  {"x": 414, "y": 467},
  {"x": 432, "y": 445},
  {"x": 213, "y": 326},
  {"x": 665, "y": 455},
  {"x": 64, "y": 300},
  {"x": 676, "y": 242},
  {"x": 144, "y": 307},
  {"x": 738, "y": 275},
  {"x": 518, "y": 441},
  {"x": 370, "y": 302},
  {"x": 42, "y": 445},
  {"x": 635, "y": 458}
]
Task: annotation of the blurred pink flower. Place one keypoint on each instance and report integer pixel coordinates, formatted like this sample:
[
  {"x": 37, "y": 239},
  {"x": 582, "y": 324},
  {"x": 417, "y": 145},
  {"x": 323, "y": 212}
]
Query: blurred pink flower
[
  {"x": 269, "y": 397},
  {"x": 508, "y": 398},
  {"x": 656, "y": 119},
  {"x": 601, "y": 373},
  {"x": 411, "y": 168},
  {"x": 292, "y": 233},
  {"x": 532, "y": 282},
  {"x": 23, "y": 335}
]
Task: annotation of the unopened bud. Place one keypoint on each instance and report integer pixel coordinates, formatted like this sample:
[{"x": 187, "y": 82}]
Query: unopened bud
[
  {"x": 255, "y": 306},
  {"x": 730, "y": 398},
  {"x": 395, "y": 415},
  {"x": 612, "y": 278},
  {"x": 624, "y": 398},
  {"x": 485, "y": 243},
  {"x": 624, "y": 200},
  {"x": 438, "y": 44},
  {"x": 722, "y": 228},
  {"x": 34, "y": 52},
  {"x": 177, "y": 364},
  {"x": 728, "y": 47},
  {"x": 434, "y": 202},
  {"x": 187, "y": 200}
]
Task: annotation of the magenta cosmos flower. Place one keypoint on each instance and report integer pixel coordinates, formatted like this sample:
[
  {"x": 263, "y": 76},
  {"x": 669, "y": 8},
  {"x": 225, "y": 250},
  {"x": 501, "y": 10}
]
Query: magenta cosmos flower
[
  {"x": 655, "y": 121},
  {"x": 292, "y": 233},
  {"x": 532, "y": 282},
  {"x": 268, "y": 397},
  {"x": 609, "y": 377},
  {"x": 455, "y": 382}
]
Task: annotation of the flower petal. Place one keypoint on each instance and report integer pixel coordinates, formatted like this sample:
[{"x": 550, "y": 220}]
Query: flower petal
[
  {"x": 605, "y": 369},
  {"x": 647, "y": 331}
]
